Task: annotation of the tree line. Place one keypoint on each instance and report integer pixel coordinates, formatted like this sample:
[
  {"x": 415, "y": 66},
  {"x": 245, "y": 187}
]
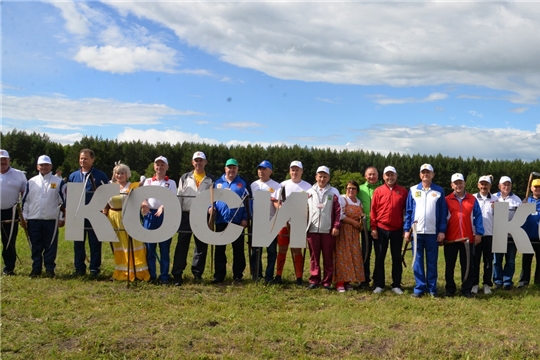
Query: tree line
[{"x": 345, "y": 165}]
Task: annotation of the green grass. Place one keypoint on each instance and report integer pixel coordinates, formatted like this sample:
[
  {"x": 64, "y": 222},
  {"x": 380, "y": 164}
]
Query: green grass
[{"x": 66, "y": 318}]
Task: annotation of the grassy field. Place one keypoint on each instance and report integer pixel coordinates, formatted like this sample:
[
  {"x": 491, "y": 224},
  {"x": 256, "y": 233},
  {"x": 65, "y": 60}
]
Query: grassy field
[{"x": 66, "y": 318}]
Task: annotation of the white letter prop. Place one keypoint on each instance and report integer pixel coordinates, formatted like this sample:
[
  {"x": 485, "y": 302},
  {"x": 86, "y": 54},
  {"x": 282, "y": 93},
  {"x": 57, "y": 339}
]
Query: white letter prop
[
  {"x": 293, "y": 209},
  {"x": 502, "y": 227},
  {"x": 199, "y": 210},
  {"x": 77, "y": 211},
  {"x": 172, "y": 214}
]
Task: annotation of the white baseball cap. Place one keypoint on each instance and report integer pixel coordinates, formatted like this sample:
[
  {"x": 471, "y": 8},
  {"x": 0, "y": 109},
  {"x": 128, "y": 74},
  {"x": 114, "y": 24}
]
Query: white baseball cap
[
  {"x": 485, "y": 178},
  {"x": 457, "y": 176},
  {"x": 323, "y": 169},
  {"x": 199, "y": 155},
  {"x": 426, "y": 167},
  {"x": 389, "y": 169},
  {"x": 162, "y": 158},
  {"x": 505, "y": 179},
  {"x": 4, "y": 154},
  {"x": 296, "y": 163},
  {"x": 44, "y": 159}
]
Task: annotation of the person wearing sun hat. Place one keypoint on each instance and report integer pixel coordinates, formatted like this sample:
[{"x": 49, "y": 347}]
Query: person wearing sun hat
[
  {"x": 426, "y": 206},
  {"x": 531, "y": 228},
  {"x": 503, "y": 276},
  {"x": 42, "y": 201},
  {"x": 12, "y": 185}
]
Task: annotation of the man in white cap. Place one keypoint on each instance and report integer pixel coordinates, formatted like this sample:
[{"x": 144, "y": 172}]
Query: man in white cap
[
  {"x": 426, "y": 206},
  {"x": 43, "y": 200},
  {"x": 265, "y": 183},
  {"x": 464, "y": 222},
  {"x": 387, "y": 209},
  {"x": 12, "y": 184},
  {"x": 324, "y": 215},
  {"x": 153, "y": 213},
  {"x": 189, "y": 186},
  {"x": 92, "y": 178},
  {"x": 294, "y": 184},
  {"x": 482, "y": 250},
  {"x": 503, "y": 276}
]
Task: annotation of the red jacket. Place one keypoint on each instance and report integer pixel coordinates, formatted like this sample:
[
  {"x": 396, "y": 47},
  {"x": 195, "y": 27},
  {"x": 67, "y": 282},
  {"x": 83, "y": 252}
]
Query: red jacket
[
  {"x": 462, "y": 215},
  {"x": 387, "y": 207}
]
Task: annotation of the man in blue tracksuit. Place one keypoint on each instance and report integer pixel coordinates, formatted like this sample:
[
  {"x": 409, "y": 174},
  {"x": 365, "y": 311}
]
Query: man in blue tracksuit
[
  {"x": 230, "y": 180},
  {"x": 531, "y": 228},
  {"x": 426, "y": 206},
  {"x": 92, "y": 178}
]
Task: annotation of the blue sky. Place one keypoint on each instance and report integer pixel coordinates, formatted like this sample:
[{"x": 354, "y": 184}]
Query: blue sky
[{"x": 456, "y": 78}]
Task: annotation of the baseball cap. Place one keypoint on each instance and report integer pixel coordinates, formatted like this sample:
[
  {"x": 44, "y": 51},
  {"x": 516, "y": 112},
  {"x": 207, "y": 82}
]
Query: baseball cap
[
  {"x": 323, "y": 169},
  {"x": 505, "y": 179},
  {"x": 232, "y": 162},
  {"x": 44, "y": 159},
  {"x": 457, "y": 176},
  {"x": 265, "y": 164},
  {"x": 485, "y": 178},
  {"x": 199, "y": 155},
  {"x": 389, "y": 168},
  {"x": 535, "y": 182},
  {"x": 296, "y": 163},
  {"x": 162, "y": 158},
  {"x": 4, "y": 154},
  {"x": 426, "y": 167}
]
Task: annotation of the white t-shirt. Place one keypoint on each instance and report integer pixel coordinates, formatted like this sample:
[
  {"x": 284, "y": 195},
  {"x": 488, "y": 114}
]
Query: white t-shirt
[
  {"x": 272, "y": 187},
  {"x": 12, "y": 183},
  {"x": 154, "y": 203}
]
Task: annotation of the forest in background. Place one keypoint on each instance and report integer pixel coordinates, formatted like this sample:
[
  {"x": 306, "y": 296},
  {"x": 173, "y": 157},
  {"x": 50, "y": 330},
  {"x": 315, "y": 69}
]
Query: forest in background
[{"x": 345, "y": 165}]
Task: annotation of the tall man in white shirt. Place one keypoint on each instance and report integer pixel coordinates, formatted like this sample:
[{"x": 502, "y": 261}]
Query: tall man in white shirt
[
  {"x": 12, "y": 184},
  {"x": 42, "y": 203},
  {"x": 153, "y": 213},
  {"x": 265, "y": 183}
]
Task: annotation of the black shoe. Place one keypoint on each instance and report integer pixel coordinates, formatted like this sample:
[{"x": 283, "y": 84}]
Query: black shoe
[
  {"x": 164, "y": 282},
  {"x": 8, "y": 273},
  {"x": 498, "y": 286},
  {"x": 238, "y": 279},
  {"x": 78, "y": 273},
  {"x": 449, "y": 294},
  {"x": 50, "y": 274},
  {"x": 178, "y": 281},
  {"x": 417, "y": 295},
  {"x": 277, "y": 280},
  {"x": 35, "y": 274},
  {"x": 94, "y": 275},
  {"x": 327, "y": 287},
  {"x": 312, "y": 286},
  {"x": 217, "y": 281},
  {"x": 364, "y": 285},
  {"x": 197, "y": 279},
  {"x": 467, "y": 295},
  {"x": 507, "y": 287},
  {"x": 299, "y": 282}
]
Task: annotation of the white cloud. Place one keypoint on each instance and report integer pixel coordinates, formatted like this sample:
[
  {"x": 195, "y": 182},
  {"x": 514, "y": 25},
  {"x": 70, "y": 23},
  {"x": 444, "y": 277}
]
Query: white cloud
[
  {"x": 123, "y": 60},
  {"x": 483, "y": 44},
  {"x": 76, "y": 21},
  {"x": 382, "y": 100},
  {"x": 61, "y": 111},
  {"x": 242, "y": 125},
  {"x": 453, "y": 141},
  {"x": 325, "y": 100},
  {"x": 519, "y": 110},
  {"x": 476, "y": 114}
]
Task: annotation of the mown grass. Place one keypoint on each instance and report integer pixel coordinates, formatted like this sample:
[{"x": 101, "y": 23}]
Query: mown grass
[{"x": 83, "y": 319}]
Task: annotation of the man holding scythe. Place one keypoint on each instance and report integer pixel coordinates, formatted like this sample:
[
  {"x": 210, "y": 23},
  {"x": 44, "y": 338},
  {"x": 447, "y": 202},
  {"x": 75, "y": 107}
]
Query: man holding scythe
[
  {"x": 426, "y": 210},
  {"x": 12, "y": 184},
  {"x": 464, "y": 230}
]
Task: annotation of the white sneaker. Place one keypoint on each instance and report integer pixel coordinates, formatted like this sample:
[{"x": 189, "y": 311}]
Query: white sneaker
[
  {"x": 397, "y": 291},
  {"x": 474, "y": 289},
  {"x": 487, "y": 289},
  {"x": 378, "y": 290}
]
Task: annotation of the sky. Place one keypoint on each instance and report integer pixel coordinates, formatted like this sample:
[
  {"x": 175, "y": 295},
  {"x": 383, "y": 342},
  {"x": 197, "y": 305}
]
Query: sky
[{"x": 455, "y": 78}]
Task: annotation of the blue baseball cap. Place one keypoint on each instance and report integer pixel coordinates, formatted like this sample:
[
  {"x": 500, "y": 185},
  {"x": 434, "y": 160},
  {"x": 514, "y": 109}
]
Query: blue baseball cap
[{"x": 265, "y": 164}]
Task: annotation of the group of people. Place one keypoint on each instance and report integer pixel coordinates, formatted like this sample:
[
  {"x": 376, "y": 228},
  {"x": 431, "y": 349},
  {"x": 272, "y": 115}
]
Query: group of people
[{"x": 342, "y": 228}]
